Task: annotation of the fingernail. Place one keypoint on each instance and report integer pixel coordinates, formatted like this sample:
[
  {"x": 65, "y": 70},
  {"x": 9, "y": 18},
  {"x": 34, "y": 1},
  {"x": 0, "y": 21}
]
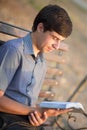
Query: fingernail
[
  {"x": 35, "y": 112},
  {"x": 31, "y": 113}
]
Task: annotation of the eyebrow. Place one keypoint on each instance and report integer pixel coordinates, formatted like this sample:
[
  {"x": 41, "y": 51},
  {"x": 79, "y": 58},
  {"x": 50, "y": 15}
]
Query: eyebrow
[{"x": 55, "y": 36}]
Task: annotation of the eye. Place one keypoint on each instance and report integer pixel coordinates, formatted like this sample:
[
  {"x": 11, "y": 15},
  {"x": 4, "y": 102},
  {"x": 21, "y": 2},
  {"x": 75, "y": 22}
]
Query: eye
[{"x": 55, "y": 38}]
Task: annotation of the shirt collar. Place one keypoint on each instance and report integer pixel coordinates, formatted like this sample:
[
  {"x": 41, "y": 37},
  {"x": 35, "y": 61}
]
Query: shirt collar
[{"x": 28, "y": 48}]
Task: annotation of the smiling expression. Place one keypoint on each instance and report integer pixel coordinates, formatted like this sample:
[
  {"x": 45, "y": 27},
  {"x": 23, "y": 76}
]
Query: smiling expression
[{"x": 47, "y": 41}]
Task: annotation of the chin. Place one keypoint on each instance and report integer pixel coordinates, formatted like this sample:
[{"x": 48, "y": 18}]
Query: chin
[{"x": 48, "y": 51}]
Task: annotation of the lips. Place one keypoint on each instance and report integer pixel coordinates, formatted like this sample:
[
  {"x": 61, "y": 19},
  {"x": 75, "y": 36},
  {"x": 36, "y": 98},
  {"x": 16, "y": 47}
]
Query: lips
[
  {"x": 55, "y": 46},
  {"x": 50, "y": 48}
]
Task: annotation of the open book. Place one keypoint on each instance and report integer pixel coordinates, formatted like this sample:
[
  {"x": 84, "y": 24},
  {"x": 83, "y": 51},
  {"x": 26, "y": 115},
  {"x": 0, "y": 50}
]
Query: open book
[{"x": 75, "y": 106}]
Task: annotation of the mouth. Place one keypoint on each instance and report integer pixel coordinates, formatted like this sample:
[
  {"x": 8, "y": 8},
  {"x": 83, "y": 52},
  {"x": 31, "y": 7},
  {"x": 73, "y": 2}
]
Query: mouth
[
  {"x": 50, "y": 48},
  {"x": 55, "y": 46}
]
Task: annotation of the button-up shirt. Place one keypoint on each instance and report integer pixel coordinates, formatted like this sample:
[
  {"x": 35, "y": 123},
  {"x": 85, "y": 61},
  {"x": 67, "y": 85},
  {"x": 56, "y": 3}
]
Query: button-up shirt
[{"x": 21, "y": 73}]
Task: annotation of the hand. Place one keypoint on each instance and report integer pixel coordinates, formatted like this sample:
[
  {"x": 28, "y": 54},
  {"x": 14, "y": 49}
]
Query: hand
[
  {"x": 56, "y": 112},
  {"x": 36, "y": 119}
]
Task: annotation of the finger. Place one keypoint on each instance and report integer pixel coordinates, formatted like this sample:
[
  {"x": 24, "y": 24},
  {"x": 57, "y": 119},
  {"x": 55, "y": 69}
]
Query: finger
[
  {"x": 63, "y": 111},
  {"x": 45, "y": 116},
  {"x": 38, "y": 118},
  {"x": 30, "y": 120},
  {"x": 34, "y": 120}
]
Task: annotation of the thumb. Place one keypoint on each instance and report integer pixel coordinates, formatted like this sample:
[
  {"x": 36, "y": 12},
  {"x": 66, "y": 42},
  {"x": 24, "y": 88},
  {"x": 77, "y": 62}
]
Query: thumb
[{"x": 45, "y": 116}]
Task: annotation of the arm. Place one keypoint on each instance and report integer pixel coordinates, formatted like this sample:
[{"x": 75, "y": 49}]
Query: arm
[
  {"x": 10, "y": 106},
  {"x": 1, "y": 93},
  {"x": 37, "y": 115},
  {"x": 9, "y": 62}
]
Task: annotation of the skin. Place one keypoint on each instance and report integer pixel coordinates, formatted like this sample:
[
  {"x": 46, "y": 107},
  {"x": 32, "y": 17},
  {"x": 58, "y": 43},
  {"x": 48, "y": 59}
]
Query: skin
[
  {"x": 45, "y": 41},
  {"x": 1, "y": 93},
  {"x": 42, "y": 42}
]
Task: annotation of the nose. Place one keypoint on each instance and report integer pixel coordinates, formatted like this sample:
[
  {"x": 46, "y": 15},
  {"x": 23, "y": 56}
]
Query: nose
[{"x": 56, "y": 45}]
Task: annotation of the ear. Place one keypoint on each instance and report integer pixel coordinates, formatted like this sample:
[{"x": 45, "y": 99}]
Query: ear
[{"x": 40, "y": 27}]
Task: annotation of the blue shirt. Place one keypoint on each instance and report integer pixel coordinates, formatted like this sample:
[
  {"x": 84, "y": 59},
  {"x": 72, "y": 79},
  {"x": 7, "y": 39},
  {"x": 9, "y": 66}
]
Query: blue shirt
[{"x": 21, "y": 73}]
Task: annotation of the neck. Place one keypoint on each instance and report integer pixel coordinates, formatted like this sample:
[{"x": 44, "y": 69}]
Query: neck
[{"x": 36, "y": 51}]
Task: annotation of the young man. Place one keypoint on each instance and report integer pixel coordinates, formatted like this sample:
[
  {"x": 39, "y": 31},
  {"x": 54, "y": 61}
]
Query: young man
[{"x": 23, "y": 68}]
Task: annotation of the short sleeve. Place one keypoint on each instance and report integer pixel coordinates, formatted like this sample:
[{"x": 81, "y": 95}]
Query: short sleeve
[{"x": 9, "y": 62}]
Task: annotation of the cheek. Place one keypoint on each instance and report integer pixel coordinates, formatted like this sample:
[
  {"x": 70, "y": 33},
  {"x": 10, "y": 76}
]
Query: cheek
[
  {"x": 47, "y": 42},
  {"x": 44, "y": 42}
]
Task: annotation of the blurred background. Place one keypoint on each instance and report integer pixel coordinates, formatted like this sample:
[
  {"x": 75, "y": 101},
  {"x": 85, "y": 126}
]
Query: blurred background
[{"x": 22, "y": 13}]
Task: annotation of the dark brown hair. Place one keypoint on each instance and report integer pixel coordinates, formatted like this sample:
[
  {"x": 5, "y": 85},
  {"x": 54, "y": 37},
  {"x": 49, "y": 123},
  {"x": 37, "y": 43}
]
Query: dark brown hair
[{"x": 54, "y": 18}]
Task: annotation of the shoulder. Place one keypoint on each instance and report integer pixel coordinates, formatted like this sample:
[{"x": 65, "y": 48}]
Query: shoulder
[
  {"x": 15, "y": 43},
  {"x": 13, "y": 46},
  {"x": 11, "y": 49}
]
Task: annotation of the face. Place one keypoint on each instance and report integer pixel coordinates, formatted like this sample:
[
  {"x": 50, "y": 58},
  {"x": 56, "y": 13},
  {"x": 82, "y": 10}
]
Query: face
[{"x": 48, "y": 41}]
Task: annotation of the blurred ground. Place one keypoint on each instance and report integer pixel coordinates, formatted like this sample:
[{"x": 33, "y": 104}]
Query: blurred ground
[{"x": 21, "y": 13}]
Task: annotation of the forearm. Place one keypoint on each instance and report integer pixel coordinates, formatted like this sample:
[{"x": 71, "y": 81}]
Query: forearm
[
  {"x": 1, "y": 93},
  {"x": 10, "y": 106}
]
